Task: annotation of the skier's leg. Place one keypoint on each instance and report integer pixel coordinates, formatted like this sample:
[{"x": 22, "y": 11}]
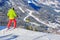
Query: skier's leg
[
  {"x": 9, "y": 24},
  {"x": 14, "y": 23}
]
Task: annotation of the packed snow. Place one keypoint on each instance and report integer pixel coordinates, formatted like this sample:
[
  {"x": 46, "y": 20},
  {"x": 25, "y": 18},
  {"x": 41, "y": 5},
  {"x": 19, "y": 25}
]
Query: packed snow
[{"x": 23, "y": 34}]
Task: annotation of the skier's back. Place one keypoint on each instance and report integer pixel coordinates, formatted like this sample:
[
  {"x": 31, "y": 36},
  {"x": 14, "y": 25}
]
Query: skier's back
[{"x": 12, "y": 17}]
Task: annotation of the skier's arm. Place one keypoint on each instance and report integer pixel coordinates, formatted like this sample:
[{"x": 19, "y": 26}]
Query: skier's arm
[{"x": 15, "y": 15}]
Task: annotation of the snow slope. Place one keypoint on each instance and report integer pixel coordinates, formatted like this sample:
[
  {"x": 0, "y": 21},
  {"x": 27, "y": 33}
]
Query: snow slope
[{"x": 23, "y": 34}]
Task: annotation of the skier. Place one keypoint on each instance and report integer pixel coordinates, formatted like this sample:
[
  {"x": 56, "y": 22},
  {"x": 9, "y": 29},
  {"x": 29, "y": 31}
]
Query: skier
[{"x": 12, "y": 17}]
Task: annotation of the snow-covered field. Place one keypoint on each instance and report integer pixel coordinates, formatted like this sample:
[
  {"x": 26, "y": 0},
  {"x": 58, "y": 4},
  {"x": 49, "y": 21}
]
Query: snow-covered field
[{"x": 23, "y": 34}]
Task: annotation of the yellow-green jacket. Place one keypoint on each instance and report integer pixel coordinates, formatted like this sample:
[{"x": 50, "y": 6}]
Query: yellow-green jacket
[{"x": 11, "y": 14}]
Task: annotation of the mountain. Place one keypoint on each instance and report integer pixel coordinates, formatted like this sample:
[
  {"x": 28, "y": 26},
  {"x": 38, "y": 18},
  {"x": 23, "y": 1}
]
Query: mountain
[{"x": 40, "y": 13}]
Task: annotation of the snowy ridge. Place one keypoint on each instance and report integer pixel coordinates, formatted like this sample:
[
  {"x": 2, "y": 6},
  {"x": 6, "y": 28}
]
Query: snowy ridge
[{"x": 23, "y": 34}]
